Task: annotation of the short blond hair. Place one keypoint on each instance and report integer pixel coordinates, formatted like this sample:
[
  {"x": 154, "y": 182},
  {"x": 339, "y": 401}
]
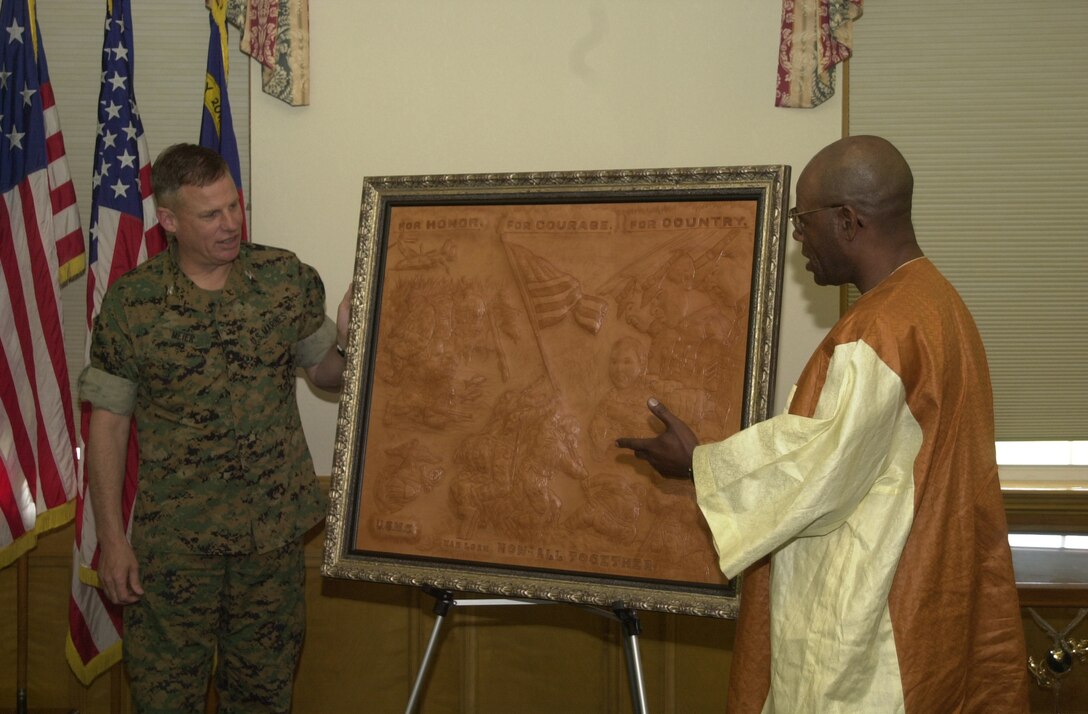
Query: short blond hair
[{"x": 185, "y": 165}]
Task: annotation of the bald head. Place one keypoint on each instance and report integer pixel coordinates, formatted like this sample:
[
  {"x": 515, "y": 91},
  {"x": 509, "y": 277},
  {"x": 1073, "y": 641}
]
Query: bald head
[
  {"x": 866, "y": 172},
  {"x": 870, "y": 234}
]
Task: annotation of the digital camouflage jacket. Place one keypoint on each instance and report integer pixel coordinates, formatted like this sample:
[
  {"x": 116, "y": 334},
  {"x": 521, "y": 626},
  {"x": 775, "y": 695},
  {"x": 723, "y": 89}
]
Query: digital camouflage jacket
[{"x": 209, "y": 378}]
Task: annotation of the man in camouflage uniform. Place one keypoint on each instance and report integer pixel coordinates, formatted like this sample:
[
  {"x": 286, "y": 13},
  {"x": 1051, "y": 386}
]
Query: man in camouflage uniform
[{"x": 199, "y": 346}]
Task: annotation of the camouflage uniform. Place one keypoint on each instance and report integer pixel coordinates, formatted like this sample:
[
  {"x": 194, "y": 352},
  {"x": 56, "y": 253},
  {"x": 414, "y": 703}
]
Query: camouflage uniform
[{"x": 226, "y": 481}]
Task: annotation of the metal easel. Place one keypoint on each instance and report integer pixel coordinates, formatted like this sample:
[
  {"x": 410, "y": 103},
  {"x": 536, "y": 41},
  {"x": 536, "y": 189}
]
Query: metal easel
[{"x": 628, "y": 618}]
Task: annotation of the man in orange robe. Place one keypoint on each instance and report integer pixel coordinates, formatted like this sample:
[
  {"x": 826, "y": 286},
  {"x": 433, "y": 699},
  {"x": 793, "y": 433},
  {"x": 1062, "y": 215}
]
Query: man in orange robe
[{"x": 868, "y": 519}]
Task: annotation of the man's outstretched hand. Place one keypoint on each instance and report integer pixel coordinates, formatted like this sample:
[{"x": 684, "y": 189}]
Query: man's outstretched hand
[{"x": 670, "y": 451}]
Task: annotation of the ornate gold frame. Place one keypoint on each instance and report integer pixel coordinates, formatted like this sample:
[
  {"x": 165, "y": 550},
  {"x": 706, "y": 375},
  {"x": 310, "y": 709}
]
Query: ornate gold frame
[{"x": 386, "y": 202}]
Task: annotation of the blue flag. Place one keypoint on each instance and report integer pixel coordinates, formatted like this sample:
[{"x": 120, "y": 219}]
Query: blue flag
[{"x": 216, "y": 125}]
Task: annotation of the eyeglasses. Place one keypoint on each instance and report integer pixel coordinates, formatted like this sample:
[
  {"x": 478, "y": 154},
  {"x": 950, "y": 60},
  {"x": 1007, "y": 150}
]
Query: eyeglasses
[{"x": 795, "y": 216}]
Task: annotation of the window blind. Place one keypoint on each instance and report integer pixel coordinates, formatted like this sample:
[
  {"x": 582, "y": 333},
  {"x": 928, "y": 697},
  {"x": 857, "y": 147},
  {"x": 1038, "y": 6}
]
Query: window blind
[{"x": 988, "y": 102}]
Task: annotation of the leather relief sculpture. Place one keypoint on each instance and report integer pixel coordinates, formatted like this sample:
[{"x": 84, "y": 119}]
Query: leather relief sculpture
[{"x": 506, "y": 330}]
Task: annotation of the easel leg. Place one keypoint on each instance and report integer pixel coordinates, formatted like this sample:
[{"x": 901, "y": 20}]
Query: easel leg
[
  {"x": 631, "y": 629},
  {"x": 441, "y": 609},
  {"x": 627, "y": 617}
]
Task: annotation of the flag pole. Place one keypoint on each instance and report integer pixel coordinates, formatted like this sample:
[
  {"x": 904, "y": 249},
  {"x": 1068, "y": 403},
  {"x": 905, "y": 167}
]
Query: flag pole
[
  {"x": 116, "y": 680},
  {"x": 22, "y": 600}
]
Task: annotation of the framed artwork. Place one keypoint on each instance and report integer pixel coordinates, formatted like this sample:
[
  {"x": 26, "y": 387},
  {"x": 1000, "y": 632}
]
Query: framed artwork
[{"x": 505, "y": 330}]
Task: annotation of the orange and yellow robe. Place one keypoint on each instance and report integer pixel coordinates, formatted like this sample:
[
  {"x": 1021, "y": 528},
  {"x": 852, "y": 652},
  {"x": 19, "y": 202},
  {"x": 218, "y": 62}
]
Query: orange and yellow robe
[{"x": 871, "y": 523}]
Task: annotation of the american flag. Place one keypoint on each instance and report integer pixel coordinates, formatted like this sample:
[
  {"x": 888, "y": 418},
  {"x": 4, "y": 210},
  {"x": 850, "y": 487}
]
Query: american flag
[
  {"x": 216, "y": 124},
  {"x": 41, "y": 244},
  {"x": 124, "y": 233},
  {"x": 552, "y": 294}
]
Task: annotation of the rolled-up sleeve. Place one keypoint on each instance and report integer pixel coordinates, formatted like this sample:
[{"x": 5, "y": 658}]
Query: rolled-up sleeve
[
  {"x": 311, "y": 350},
  {"x": 110, "y": 380},
  {"x": 106, "y": 391},
  {"x": 318, "y": 332}
]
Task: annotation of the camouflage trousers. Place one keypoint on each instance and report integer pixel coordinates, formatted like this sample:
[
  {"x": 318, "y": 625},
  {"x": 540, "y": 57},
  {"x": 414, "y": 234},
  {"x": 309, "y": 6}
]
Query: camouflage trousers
[{"x": 245, "y": 613}]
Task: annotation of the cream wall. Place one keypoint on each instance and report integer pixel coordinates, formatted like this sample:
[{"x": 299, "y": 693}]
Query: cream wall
[{"x": 431, "y": 86}]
